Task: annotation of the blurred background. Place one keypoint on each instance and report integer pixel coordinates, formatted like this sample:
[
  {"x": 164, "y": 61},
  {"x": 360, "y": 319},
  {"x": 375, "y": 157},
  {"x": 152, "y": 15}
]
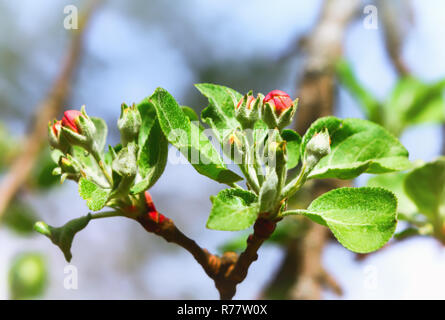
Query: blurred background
[{"x": 124, "y": 50}]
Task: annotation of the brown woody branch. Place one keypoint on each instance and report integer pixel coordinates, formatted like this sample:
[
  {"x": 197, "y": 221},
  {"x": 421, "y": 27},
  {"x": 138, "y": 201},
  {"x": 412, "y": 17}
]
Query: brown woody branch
[
  {"x": 46, "y": 111},
  {"x": 226, "y": 271}
]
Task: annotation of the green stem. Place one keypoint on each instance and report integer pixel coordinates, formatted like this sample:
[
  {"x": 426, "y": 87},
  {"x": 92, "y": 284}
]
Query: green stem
[
  {"x": 100, "y": 162},
  {"x": 107, "y": 214},
  {"x": 297, "y": 183}
]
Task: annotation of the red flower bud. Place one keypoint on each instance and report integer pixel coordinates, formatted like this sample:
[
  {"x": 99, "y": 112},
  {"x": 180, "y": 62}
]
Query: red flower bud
[
  {"x": 69, "y": 119},
  {"x": 250, "y": 102},
  {"x": 56, "y": 128},
  {"x": 279, "y": 99}
]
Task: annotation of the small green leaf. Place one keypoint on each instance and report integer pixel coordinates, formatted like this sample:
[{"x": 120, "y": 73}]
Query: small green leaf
[
  {"x": 63, "y": 236},
  {"x": 95, "y": 196},
  {"x": 190, "y": 139},
  {"x": 28, "y": 276},
  {"x": 358, "y": 146},
  {"x": 152, "y": 159},
  {"x": 233, "y": 210},
  {"x": 362, "y": 219},
  {"x": 426, "y": 188},
  {"x": 220, "y": 113},
  {"x": 293, "y": 143}
]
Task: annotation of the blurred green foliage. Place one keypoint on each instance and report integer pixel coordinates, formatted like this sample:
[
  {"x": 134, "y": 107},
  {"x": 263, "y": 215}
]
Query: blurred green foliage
[{"x": 28, "y": 276}]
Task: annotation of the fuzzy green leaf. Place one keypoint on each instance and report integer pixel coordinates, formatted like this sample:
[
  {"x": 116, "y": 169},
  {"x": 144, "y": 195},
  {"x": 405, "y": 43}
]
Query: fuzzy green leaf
[
  {"x": 148, "y": 116},
  {"x": 362, "y": 219},
  {"x": 63, "y": 236},
  {"x": 152, "y": 159},
  {"x": 190, "y": 139},
  {"x": 358, "y": 146},
  {"x": 232, "y": 210},
  {"x": 95, "y": 196},
  {"x": 426, "y": 187}
]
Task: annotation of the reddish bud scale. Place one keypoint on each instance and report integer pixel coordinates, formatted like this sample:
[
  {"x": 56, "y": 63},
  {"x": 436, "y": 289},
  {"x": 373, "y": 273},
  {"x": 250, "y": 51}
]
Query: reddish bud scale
[
  {"x": 250, "y": 102},
  {"x": 149, "y": 202},
  {"x": 264, "y": 228},
  {"x": 56, "y": 127},
  {"x": 69, "y": 119},
  {"x": 279, "y": 99},
  {"x": 156, "y": 217}
]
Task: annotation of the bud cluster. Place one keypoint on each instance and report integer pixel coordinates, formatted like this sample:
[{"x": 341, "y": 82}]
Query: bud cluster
[{"x": 79, "y": 143}]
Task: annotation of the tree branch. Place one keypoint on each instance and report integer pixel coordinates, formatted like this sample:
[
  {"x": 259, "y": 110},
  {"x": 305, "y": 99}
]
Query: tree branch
[{"x": 226, "y": 271}]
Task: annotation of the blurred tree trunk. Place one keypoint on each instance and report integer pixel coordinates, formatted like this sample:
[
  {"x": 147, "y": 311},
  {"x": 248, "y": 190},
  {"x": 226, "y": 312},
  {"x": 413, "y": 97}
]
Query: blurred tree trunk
[
  {"x": 301, "y": 273},
  {"x": 46, "y": 111}
]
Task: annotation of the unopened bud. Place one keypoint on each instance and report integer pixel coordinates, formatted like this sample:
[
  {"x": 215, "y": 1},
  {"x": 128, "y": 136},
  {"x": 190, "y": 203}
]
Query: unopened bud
[
  {"x": 278, "y": 109},
  {"x": 55, "y": 138},
  {"x": 318, "y": 147},
  {"x": 247, "y": 111},
  {"x": 129, "y": 123},
  {"x": 79, "y": 129}
]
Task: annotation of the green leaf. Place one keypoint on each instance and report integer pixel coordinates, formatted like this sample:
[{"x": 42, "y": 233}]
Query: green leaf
[
  {"x": 28, "y": 276},
  {"x": 358, "y": 146},
  {"x": 362, "y": 219},
  {"x": 95, "y": 196},
  {"x": 370, "y": 105},
  {"x": 19, "y": 217},
  {"x": 63, "y": 236},
  {"x": 395, "y": 182},
  {"x": 148, "y": 116},
  {"x": 152, "y": 159},
  {"x": 233, "y": 210},
  {"x": 190, "y": 139},
  {"x": 426, "y": 187},
  {"x": 220, "y": 113},
  {"x": 293, "y": 143},
  {"x": 101, "y": 132}
]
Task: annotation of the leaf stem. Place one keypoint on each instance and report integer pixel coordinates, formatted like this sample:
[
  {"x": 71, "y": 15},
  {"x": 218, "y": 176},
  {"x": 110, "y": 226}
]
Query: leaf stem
[
  {"x": 100, "y": 162},
  {"x": 295, "y": 185}
]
